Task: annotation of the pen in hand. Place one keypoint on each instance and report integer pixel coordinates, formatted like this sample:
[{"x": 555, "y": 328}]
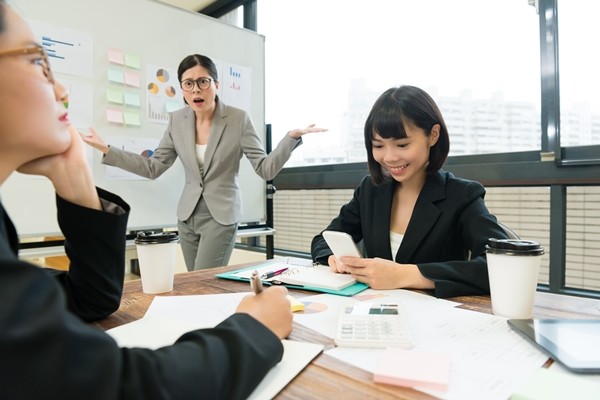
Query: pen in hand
[{"x": 255, "y": 283}]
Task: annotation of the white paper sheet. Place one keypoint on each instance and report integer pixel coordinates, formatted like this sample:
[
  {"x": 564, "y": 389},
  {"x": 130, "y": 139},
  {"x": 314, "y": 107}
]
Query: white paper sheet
[
  {"x": 169, "y": 317},
  {"x": 488, "y": 360}
]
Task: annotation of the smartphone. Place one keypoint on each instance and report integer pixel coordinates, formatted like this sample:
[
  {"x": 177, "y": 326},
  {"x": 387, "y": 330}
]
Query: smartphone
[{"x": 341, "y": 244}]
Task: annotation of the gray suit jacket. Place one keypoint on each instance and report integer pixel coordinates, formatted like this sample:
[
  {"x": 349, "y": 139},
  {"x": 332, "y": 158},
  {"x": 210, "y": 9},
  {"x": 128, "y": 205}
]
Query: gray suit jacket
[{"x": 232, "y": 136}]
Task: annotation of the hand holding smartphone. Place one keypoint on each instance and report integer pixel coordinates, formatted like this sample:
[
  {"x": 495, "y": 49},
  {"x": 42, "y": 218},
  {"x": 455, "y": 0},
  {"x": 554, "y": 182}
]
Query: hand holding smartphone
[{"x": 341, "y": 244}]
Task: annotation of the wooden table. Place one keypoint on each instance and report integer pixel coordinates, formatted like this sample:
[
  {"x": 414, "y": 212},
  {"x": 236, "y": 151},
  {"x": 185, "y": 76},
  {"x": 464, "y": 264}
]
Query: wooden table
[{"x": 326, "y": 377}]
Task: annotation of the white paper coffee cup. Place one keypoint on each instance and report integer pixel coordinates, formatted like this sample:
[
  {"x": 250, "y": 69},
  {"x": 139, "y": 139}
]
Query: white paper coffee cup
[
  {"x": 157, "y": 254},
  {"x": 513, "y": 268}
]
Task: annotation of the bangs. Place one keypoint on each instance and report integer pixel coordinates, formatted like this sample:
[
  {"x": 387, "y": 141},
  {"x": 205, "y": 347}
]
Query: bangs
[{"x": 389, "y": 125}]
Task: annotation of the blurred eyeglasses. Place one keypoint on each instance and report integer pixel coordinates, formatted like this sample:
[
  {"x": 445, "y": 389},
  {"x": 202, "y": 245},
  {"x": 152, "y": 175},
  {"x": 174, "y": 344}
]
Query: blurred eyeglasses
[{"x": 33, "y": 49}]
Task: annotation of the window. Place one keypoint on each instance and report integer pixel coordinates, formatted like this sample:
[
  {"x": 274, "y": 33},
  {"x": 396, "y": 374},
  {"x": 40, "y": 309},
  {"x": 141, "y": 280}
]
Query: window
[
  {"x": 579, "y": 64},
  {"x": 327, "y": 62}
]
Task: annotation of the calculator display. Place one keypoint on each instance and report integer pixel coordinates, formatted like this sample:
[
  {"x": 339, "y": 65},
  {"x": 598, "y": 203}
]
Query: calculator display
[
  {"x": 383, "y": 310},
  {"x": 371, "y": 309}
]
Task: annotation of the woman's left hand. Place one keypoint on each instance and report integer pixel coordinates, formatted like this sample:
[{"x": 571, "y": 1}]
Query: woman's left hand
[{"x": 297, "y": 133}]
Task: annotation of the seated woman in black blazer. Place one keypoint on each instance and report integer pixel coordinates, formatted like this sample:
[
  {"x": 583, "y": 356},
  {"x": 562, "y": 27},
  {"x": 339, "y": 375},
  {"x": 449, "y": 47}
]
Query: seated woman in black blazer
[
  {"x": 46, "y": 348},
  {"x": 422, "y": 227}
]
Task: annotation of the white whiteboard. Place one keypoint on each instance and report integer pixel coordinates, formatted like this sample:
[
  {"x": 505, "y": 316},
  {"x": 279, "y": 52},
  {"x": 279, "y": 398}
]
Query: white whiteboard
[{"x": 159, "y": 35}]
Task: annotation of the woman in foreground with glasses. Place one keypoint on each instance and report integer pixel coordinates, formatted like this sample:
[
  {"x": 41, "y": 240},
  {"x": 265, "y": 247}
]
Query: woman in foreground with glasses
[
  {"x": 46, "y": 348},
  {"x": 210, "y": 137},
  {"x": 422, "y": 227}
]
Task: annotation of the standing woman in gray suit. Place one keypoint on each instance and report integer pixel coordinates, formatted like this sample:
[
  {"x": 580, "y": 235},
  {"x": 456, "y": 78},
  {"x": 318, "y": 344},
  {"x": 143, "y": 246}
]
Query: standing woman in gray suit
[{"x": 210, "y": 138}]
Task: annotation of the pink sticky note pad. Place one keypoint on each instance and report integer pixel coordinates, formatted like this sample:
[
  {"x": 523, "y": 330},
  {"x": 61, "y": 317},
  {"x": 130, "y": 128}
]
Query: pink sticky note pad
[{"x": 414, "y": 368}]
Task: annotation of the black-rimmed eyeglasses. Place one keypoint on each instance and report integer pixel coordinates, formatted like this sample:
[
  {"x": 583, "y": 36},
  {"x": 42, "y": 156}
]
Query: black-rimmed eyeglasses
[
  {"x": 33, "y": 49},
  {"x": 188, "y": 84}
]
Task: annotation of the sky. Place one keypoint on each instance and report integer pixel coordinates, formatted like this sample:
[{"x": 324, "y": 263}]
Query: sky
[{"x": 315, "y": 47}]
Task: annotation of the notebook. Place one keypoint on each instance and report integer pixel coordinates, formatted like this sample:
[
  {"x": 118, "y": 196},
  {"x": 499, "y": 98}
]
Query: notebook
[
  {"x": 301, "y": 275},
  {"x": 316, "y": 276}
]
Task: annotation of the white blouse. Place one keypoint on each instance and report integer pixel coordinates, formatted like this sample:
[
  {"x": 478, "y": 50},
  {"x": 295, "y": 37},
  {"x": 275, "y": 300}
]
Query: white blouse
[
  {"x": 395, "y": 241},
  {"x": 200, "y": 152}
]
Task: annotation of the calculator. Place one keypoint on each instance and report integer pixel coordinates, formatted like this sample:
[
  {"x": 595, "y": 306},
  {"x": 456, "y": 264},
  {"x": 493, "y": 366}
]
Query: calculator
[{"x": 373, "y": 326}]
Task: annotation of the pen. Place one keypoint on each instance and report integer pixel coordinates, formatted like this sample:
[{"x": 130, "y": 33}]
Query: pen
[
  {"x": 271, "y": 274},
  {"x": 255, "y": 283}
]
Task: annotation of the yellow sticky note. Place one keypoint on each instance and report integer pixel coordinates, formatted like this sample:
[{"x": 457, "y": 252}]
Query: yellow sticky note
[{"x": 297, "y": 305}]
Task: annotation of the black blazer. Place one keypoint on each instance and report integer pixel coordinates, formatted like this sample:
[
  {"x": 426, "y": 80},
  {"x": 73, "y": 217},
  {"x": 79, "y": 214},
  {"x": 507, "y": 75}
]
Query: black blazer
[
  {"x": 48, "y": 352},
  {"x": 445, "y": 238}
]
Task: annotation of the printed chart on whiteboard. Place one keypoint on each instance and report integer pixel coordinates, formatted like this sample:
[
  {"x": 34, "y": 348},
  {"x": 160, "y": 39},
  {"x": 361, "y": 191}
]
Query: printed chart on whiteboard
[
  {"x": 71, "y": 51},
  {"x": 163, "y": 95}
]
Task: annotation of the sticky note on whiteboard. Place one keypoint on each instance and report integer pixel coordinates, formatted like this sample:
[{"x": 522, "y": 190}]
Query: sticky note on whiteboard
[{"x": 414, "y": 368}]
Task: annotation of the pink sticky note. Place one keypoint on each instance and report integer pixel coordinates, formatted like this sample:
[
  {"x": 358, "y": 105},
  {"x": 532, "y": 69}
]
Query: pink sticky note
[
  {"x": 116, "y": 56},
  {"x": 115, "y": 116},
  {"x": 132, "y": 78},
  {"x": 414, "y": 368}
]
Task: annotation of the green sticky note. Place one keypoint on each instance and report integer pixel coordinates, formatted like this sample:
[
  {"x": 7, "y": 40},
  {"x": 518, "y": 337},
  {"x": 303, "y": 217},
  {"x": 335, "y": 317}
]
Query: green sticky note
[
  {"x": 114, "y": 95},
  {"x": 132, "y": 61},
  {"x": 131, "y": 118}
]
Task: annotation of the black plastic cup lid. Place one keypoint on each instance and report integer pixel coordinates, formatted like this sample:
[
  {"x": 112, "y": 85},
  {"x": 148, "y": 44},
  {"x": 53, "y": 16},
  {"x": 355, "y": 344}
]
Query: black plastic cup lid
[
  {"x": 514, "y": 247},
  {"x": 156, "y": 238}
]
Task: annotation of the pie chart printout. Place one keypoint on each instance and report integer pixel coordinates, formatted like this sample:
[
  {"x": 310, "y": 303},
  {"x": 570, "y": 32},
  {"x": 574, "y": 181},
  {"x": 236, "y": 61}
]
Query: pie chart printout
[{"x": 313, "y": 307}]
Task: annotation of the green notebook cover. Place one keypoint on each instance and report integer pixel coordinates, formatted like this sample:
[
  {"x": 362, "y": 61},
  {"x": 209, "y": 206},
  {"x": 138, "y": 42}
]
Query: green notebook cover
[{"x": 244, "y": 275}]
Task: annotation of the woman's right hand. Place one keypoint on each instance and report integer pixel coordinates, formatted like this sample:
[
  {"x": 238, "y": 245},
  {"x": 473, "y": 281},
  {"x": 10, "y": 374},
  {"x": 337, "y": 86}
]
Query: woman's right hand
[
  {"x": 272, "y": 308},
  {"x": 69, "y": 172},
  {"x": 93, "y": 139}
]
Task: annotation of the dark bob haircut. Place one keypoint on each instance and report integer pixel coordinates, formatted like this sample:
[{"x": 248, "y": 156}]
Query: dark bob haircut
[
  {"x": 395, "y": 108},
  {"x": 196, "y": 59}
]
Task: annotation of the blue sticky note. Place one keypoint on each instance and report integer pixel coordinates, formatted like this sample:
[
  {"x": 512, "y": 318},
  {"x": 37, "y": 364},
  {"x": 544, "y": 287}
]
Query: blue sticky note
[
  {"x": 132, "y": 99},
  {"x": 115, "y": 75}
]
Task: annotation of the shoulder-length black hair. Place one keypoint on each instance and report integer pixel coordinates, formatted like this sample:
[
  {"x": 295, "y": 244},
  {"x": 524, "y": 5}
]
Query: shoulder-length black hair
[
  {"x": 196, "y": 59},
  {"x": 397, "y": 107}
]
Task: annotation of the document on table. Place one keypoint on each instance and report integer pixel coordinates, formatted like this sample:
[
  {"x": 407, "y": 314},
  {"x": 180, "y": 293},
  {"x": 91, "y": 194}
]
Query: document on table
[
  {"x": 488, "y": 359},
  {"x": 169, "y": 317},
  {"x": 321, "y": 311}
]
